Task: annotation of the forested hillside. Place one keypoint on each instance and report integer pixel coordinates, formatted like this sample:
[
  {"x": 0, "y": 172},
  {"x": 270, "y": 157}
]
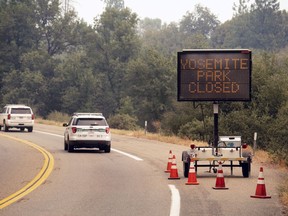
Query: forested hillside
[{"x": 126, "y": 68}]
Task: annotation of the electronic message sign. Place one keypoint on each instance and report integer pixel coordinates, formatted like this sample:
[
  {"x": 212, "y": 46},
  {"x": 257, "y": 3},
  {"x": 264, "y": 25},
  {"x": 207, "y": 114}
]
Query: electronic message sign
[{"x": 214, "y": 75}]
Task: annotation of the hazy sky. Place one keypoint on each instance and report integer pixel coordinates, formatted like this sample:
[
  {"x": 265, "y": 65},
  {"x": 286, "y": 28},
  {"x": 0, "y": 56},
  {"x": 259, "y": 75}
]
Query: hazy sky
[{"x": 167, "y": 10}]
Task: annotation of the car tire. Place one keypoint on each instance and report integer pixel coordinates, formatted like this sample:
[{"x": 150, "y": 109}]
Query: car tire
[
  {"x": 107, "y": 149},
  {"x": 6, "y": 128},
  {"x": 65, "y": 146},
  {"x": 30, "y": 129},
  {"x": 70, "y": 147}
]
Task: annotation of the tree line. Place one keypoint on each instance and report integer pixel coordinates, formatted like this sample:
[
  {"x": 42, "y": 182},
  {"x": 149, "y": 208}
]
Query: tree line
[{"x": 126, "y": 68}]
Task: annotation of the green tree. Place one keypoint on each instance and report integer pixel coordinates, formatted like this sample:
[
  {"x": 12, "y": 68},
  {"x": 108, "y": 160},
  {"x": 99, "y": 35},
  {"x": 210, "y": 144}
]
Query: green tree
[
  {"x": 149, "y": 25},
  {"x": 23, "y": 87},
  {"x": 17, "y": 33},
  {"x": 268, "y": 80},
  {"x": 242, "y": 8},
  {"x": 200, "y": 21},
  {"x": 118, "y": 4},
  {"x": 151, "y": 85},
  {"x": 278, "y": 146},
  {"x": 59, "y": 33},
  {"x": 74, "y": 84},
  {"x": 166, "y": 39},
  {"x": 184, "y": 116},
  {"x": 116, "y": 43},
  {"x": 31, "y": 32},
  {"x": 260, "y": 25}
]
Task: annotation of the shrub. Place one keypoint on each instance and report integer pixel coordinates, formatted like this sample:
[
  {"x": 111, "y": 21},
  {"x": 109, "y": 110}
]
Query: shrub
[
  {"x": 192, "y": 130},
  {"x": 58, "y": 116},
  {"x": 123, "y": 121}
]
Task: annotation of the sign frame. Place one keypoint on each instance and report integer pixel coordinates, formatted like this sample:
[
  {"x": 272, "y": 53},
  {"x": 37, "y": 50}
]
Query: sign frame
[{"x": 236, "y": 71}]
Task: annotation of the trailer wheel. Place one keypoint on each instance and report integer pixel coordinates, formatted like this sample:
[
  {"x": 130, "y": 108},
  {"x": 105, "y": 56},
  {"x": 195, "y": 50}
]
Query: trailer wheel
[
  {"x": 186, "y": 167},
  {"x": 246, "y": 167}
]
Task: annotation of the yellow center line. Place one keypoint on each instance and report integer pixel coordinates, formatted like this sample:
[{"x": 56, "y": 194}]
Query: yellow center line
[{"x": 34, "y": 183}]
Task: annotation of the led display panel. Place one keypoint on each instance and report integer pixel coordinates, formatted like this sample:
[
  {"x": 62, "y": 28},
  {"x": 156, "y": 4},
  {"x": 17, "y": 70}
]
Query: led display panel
[{"x": 214, "y": 75}]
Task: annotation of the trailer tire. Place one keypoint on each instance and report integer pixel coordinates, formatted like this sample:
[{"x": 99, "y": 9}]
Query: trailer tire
[
  {"x": 186, "y": 167},
  {"x": 246, "y": 167}
]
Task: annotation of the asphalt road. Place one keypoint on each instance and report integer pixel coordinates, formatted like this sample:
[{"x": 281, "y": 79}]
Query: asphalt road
[{"x": 129, "y": 182}]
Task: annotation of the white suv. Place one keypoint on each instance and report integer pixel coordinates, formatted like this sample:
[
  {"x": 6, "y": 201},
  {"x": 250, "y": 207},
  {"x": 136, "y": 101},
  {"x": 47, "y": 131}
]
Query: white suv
[
  {"x": 17, "y": 116},
  {"x": 87, "y": 130}
]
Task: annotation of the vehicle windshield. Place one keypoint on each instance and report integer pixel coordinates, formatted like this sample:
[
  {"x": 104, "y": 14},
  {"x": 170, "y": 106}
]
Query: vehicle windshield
[
  {"x": 90, "y": 122},
  {"x": 20, "y": 111}
]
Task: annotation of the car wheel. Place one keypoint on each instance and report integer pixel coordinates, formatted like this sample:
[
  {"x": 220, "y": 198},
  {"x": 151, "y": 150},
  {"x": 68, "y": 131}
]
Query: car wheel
[
  {"x": 107, "y": 149},
  {"x": 70, "y": 147},
  {"x": 30, "y": 129},
  {"x": 6, "y": 128},
  {"x": 65, "y": 145}
]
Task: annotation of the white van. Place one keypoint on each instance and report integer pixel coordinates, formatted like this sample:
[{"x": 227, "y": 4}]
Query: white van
[{"x": 17, "y": 116}]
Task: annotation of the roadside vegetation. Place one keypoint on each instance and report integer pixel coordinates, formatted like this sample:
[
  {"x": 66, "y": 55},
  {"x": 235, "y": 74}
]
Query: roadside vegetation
[{"x": 260, "y": 156}]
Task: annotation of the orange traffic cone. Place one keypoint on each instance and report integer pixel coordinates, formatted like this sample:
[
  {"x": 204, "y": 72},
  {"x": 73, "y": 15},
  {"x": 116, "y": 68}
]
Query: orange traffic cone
[
  {"x": 261, "y": 189},
  {"x": 192, "y": 180},
  {"x": 169, "y": 162},
  {"x": 174, "y": 171},
  {"x": 220, "y": 182}
]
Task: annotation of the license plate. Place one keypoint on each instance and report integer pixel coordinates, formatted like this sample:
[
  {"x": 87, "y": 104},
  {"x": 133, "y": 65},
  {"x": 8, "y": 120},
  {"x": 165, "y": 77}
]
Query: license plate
[
  {"x": 90, "y": 132},
  {"x": 82, "y": 135}
]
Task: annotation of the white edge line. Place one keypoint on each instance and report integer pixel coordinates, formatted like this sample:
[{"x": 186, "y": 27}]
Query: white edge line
[
  {"x": 128, "y": 155},
  {"x": 118, "y": 151},
  {"x": 57, "y": 135},
  {"x": 175, "y": 201}
]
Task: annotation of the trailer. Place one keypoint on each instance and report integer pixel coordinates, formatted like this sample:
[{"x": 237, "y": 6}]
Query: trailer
[{"x": 230, "y": 152}]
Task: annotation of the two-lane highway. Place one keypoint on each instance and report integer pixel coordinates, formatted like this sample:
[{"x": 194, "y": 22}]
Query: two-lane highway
[{"x": 128, "y": 181}]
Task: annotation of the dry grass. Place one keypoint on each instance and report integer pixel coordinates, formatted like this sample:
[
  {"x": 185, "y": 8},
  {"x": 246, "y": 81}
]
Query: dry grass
[
  {"x": 283, "y": 192},
  {"x": 48, "y": 122},
  {"x": 262, "y": 157},
  {"x": 265, "y": 158},
  {"x": 159, "y": 137}
]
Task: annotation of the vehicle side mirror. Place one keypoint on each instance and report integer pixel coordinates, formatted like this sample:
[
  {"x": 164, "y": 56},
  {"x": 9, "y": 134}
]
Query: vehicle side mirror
[{"x": 65, "y": 124}]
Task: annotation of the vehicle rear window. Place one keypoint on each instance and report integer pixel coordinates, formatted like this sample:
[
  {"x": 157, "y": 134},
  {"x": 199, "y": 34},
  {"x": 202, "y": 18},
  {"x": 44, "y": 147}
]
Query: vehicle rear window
[
  {"x": 91, "y": 121},
  {"x": 20, "y": 111}
]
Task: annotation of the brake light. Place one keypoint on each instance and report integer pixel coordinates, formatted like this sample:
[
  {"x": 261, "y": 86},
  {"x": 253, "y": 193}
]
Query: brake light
[
  {"x": 33, "y": 117},
  {"x": 107, "y": 130},
  {"x": 9, "y": 116},
  {"x": 74, "y": 129},
  {"x": 244, "y": 145}
]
